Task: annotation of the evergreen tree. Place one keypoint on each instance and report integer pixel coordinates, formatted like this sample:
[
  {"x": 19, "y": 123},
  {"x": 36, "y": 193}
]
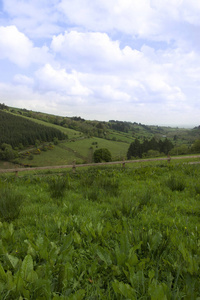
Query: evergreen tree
[{"x": 135, "y": 149}]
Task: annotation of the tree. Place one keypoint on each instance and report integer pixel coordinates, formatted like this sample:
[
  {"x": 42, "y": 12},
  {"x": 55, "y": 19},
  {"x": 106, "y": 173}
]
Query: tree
[
  {"x": 196, "y": 147},
  {"x": 102, "y": 154},
  {"x": 135, "y": 149},
  {"x": 165, "y": 146},
  {"x": 7, "y": 152}
]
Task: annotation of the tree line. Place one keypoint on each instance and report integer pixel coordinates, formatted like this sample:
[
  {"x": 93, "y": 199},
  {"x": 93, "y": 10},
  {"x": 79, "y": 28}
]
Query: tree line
[{"x": 138, "y": 149}]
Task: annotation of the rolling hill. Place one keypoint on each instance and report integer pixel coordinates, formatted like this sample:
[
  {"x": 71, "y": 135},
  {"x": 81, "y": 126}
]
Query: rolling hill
[{"x": 76, "y": 139}]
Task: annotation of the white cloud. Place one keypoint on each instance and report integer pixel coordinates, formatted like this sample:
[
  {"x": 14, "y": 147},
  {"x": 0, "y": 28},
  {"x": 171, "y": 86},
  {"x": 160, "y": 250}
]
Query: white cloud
[
  {"x": 129, "y": 16},
  {"x": 35, "y": 18},
  {"x": 61, "y": 81},
  {"x": 123, "y": 59},
  {"x": 87, "y": 51},
  {"x": 144, "y": 18},
  {"x": 16, "y": 47},
  {"x": 146, "y": 76},
  {"x": 23, "y": 80}
]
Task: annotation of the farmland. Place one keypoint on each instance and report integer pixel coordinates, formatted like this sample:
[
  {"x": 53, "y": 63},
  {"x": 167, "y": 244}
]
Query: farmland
[
  {"x": 101, "y": 233},
  {"x": 75, "y": 139}
]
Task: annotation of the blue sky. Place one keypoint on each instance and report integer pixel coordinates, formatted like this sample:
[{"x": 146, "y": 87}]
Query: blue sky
[{"x": 126, "y": 60}]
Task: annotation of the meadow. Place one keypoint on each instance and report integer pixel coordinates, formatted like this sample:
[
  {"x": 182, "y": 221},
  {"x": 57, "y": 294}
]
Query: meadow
[
  {"x": 101, "y": 233},
  {"x": 80, "y": 150}
]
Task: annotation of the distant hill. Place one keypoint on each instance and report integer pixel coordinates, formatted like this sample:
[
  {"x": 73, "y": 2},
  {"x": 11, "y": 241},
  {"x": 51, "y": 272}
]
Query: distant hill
[
  {"x": 25, "y": 127},
  {"x": 95, "y": 128}
]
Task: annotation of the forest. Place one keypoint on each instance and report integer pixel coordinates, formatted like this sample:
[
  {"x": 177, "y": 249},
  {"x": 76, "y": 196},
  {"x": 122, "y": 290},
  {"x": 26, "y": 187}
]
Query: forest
[
  {"x": 137, "y": 149},
  {"x": 15, "y": 130}
]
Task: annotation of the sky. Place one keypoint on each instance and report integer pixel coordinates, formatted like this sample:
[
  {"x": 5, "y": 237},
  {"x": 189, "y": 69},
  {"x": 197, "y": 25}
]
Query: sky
[{"x": 127, "y": 60}]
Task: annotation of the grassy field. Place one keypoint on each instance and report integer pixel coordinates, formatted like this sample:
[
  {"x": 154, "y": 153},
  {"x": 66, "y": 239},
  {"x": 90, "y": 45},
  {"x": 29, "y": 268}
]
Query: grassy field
[
  {"x": 80, "y": 150},
  {"x": 117, "y": 149},
  {"x": 101, "y": 233}
]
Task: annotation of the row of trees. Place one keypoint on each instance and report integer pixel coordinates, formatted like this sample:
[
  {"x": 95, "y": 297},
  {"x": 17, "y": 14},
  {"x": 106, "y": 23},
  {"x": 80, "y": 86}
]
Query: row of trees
[
  {"x": 16, "y": 130},
  {"x": 137, "y": 149}
]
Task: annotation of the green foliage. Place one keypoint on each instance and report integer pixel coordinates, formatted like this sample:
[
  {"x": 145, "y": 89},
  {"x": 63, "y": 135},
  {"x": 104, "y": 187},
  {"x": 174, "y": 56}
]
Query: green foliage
[
  {"x": 102, "y": 154},
  {"x": 55, "y": 141},
  {"x": 180, "y": 150},
  {"x": 16, "y": 130},
  {"x": 57, "y": 186},
  {"x": 10, "y": 203},
  {"x": 118, "y": 234},
  {"x": 7, "y": 152},
  {"x": 137, "y": 149},
  {"x": 3, "y": 106},
  {"x": 176, "y": 183},
  {"x": 196, "y": 147}
]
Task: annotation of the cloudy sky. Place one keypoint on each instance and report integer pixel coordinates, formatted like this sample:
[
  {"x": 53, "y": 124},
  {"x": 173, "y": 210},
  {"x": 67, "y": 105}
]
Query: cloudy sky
[{"x": 128, "y": 60}]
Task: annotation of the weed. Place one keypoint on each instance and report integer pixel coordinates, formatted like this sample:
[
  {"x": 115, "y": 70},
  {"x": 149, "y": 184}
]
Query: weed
[
  {"x": 110, "y": 185},
  {"x": 93, "y": 194},
  {"x": 197, "y": 189},
  {"x": 10, "y": 203},
  {"x": 176, "y": 184},
  {"x": 119, "y": 234},
  {"x": 145, "y": 198},
  {"x": 57, "y": 186}
]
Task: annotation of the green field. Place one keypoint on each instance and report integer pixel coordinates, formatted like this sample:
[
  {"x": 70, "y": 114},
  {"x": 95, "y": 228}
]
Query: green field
[
  {"x": 79, "y": 150},
  {"x": 81, "y": 142},
  {"x": 101, "y": 233}
]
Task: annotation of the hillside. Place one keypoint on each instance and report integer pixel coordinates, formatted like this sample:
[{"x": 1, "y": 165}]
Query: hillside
[
  {"x": 84, "y": 137},
  {"x": 16, "y": 130}
]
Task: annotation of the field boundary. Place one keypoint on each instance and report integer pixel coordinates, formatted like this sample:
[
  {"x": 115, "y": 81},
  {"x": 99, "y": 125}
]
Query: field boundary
[{"x": 74, "y": 165}]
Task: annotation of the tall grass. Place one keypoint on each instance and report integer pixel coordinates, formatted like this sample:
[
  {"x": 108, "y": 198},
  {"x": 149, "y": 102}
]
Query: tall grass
[
  {"x": 10, "y": 203},
  {"x": 176, "y": 183},
  {"x": 57, "y": 186}
]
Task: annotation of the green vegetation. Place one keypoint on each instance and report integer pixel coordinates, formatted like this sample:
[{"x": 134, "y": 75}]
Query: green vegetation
[
  {"x": 102, "y": 154},
  {"x": 102, "y": 233},
  {"x": 57, "y": 187},
  {"x": 16, "y": 131},
  {"x": 31, "y": 147},
  {"x": 137, "y": 149},
  {"x": 10, "y": 202}
]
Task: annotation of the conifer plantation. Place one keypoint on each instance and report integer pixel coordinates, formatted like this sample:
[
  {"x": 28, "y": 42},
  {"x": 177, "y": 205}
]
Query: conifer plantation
[{"x": 17, "y": 130}]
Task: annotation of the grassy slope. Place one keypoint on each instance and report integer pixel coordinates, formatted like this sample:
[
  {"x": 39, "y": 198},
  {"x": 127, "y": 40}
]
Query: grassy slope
[
  {"x": 78, "y": 147},
  {"x": 79, "y": 150},
  {"x": 117, "y": 149}
]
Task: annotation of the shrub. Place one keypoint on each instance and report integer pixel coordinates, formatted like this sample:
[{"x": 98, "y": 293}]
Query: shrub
[
  {"x": 10, "y": 203},
  {"x": 102, "y": 154}
]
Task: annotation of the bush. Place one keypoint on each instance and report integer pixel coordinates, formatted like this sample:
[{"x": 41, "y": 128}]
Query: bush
[
  {"x": 102, "y": 154},
  {"x": 10, "y": 203}
]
